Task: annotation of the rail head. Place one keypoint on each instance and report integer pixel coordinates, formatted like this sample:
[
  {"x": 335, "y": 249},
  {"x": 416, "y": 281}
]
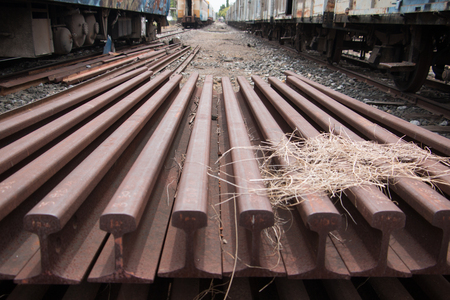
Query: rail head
[
  {"x": 42, "y": 224},
  {"x": 255, "y": 210},
  {"x": 189, "y": 220},
  {"x": 124, "y": 212},
  {"x": 317, "y": 210},
  {"x": 191, "y": 206}
]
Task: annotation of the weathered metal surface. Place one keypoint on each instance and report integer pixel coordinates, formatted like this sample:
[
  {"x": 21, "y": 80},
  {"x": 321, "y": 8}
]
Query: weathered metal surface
[
  {"x": 432, "y": 106},
  {"x": 70, "y": 197},
  {"x": 134, "y": 291},
  {"x": 237, "y": 240},
  {"x": 431, "y": 205},
  {"x": 14, "y": 122},
  {"x": 28, "y": 292},
  {"x": 21, "y": 184},
  {"x": 316, "y": 209},
  {"x": 18, "y": 150},
  {"x": 189, "y": 251},
  {"x": 341, "y": 289},
  {"x": 377, "y": 210},
  {"x": 17, "y": 246},
  {"x": 291, "y": 289},
  {"x": 94, "y": 71},
  {"x": 389, "y": 288},
  {"x": 187, "y": 61},
  {"x": 85, "y": 291},
  {"x": 185, "y": 289},
  {"x": 53, "y": 212},
  {"x": 161, "y": 64},
  {"x": 255, "y": 211},
  {"x": 434, "y": 286},
  {"x": 159, "y": 7},
  {"x": 125, "y": 214},
  {"x": 431, "y": 139}
]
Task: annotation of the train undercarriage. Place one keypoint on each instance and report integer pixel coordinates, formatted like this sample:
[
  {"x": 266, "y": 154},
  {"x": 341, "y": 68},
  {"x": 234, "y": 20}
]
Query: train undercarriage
[
  {"x": 33, "y": 29},
  {"x": 406, "y": 51}
]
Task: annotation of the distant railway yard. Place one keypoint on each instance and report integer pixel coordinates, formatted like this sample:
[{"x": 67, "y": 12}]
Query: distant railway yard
[{"x": 178, "y": 169}]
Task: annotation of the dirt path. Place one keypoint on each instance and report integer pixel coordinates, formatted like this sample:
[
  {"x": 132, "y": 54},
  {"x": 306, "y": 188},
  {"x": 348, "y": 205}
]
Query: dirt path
[{"x": 227, "y": 52}]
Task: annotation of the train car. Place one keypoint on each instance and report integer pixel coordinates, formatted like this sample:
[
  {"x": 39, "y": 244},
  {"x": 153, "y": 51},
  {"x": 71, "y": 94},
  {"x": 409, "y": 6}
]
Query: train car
[
  {"x": 211, "y": 14},
  {"x": 405, "y": 37},
  {"x": 192, "y": 13},
  {"x": 32, "y": 28},
  {"x": 204, "y": 5}
]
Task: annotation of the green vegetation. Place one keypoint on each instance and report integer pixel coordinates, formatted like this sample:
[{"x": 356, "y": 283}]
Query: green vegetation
[{"x": 223, "y": 10}]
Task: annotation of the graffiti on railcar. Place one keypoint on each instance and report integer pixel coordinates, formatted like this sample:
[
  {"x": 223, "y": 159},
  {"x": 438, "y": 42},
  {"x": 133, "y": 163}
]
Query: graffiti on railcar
[{"x": 160, "y": 7}]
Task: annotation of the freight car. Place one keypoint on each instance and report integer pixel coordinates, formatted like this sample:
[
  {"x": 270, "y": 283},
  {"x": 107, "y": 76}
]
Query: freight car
[
  {"x": 194, "y": 13},
  {"x": 211, "y": 14},
  {"x": 405, "y": 37},
  {"x": 32, "y": 28}
]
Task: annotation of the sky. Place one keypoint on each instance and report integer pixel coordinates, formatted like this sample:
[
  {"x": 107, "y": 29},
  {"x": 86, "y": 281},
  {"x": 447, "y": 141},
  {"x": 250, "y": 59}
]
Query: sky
[{"x": 216, "y": 4}]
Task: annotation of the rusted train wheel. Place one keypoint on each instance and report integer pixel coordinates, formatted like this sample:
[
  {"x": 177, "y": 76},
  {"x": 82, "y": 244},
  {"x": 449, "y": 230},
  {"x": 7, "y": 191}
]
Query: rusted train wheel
[
  {"x": 93, "y": 29},
  {"x": 62, "y": 40},
  {"x": 78, "y": 27}
]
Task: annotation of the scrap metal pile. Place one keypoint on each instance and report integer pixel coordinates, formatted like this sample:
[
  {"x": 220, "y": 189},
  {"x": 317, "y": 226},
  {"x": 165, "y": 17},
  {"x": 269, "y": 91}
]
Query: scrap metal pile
[{"x": 127, "y": 184}]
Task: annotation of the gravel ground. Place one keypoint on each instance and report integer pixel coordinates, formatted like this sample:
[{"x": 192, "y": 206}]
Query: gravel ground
[{"x": 228, "y": 52}]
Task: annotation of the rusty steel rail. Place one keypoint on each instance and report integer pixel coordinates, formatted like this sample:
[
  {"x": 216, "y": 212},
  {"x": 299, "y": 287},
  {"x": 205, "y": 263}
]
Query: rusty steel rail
[
  {"x": 159, "y": 65},
  {"x": 66, "y": 238},
  {"x": 101, "y": 65},
  {"x": 236, "y": 240},
  {"x": 378, "y": 211},
  {"x": 316, "y": 209},
  {"x": 106, "y": 195},
  {"x": 18, "y": 150},
  {"x": 20, "y": 83},
  {"x": 420, "y": 287},
  {"x": 21, "y": 184},
  {"x": 173, "y": 33},
  {"x": 14, "y": 121},
  {"x": 432, "y": 206},
  {"x": 94, "y": 71},
  {"x": 432, "y": 140},
  {"x": 417, "y": 133},
  {"x": 187, "y": 61},
  {"x": 427, "y": 104},
  {"x": 254, "y": 209},
  {"x": 52, "y": 213},
  {"x": 198, "y": 253},
  {"x": 123, "y": 215}
]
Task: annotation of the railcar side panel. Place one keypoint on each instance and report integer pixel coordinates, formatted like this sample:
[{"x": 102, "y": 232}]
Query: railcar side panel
[
  {"x": 267, "y": 10},
  {"x": 203, "y": 11},
  {"x": 159, "y": 7},
  {"x": 181, "y": 8}
]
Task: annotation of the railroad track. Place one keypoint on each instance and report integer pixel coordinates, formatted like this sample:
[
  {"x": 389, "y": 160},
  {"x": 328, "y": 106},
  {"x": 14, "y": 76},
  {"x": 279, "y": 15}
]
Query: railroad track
[
  {"x": 78, "y": 70},
  {"x": 117, "y": 181},
  {"x": 436, "y": 107},
  {"x": 172, "y": 33}
]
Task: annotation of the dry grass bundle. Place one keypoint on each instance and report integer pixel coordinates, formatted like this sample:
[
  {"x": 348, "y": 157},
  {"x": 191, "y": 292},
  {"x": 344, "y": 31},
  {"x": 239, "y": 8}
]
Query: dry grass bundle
[{"x": 330, "y": 163}]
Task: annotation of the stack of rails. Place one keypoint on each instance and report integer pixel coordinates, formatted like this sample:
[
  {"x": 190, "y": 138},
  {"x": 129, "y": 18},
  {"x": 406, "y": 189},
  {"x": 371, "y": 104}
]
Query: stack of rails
[
  {"x": 123, "y": 187},
  {"x": 79, "y": 70}
]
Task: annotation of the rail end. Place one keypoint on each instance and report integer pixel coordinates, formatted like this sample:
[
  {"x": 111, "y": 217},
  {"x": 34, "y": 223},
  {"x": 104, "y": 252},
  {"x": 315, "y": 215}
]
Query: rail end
[
  {"x": 256, "y": 219},
  {"x": 189, "y": 220},
  {"x": 118, "y": 223},
  {"x": 41, "y": 223}
]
